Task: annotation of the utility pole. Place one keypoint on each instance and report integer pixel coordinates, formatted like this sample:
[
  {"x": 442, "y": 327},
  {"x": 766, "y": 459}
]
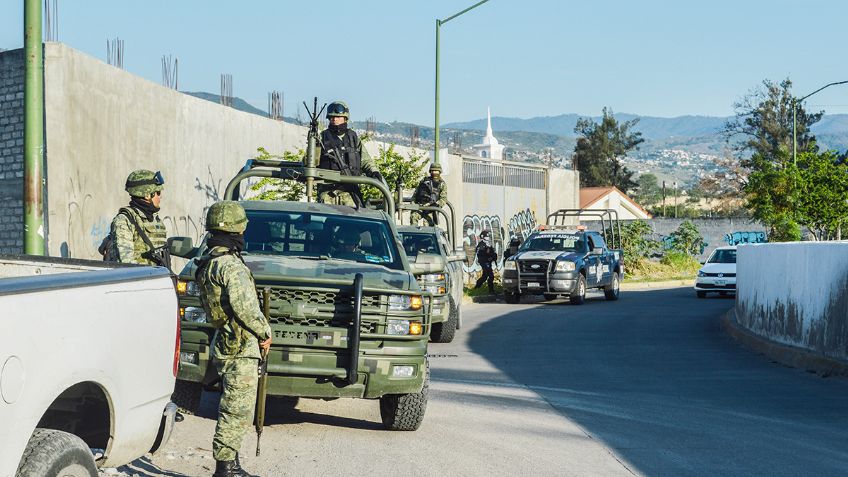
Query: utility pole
[
  {"x": 674, "y": 184},
  {"x": 33, "y": 129},
  {"x": 663, "y": 199}
]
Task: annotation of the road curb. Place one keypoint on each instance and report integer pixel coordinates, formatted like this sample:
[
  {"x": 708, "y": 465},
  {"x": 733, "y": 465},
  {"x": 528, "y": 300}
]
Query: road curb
[
  {"x": 689, "y": 282},
  {"x": 788, "y": 355}
]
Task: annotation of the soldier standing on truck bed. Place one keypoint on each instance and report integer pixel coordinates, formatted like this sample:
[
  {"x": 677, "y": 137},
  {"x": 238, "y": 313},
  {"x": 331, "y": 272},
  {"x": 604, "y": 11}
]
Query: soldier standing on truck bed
[
  {"x": 486, "y": 256},
  {"x": 137, "y": 234},
  {"x": 341, "y": 150},
  {"x": 228, "y": 294},
  {"x": 431, "y": 191}
]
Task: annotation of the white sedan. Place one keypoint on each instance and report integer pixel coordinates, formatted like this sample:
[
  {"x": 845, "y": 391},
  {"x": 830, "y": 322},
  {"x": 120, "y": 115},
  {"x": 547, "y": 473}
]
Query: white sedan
[{"x": 718, "y": 273}]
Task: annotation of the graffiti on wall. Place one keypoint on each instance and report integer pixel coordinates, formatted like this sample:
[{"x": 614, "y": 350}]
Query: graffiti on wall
[
  {"x": 739, "y": 238},
  {"x": 520, "y": 224}
]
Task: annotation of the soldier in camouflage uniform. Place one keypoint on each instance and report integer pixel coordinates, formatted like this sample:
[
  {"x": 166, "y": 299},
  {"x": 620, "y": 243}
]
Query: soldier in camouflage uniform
[
  {"x": 126, "y": 244},
  {"x": 228, "y": 294},
  {"x": 431, "y": 191},
  {"x": 341, "y": 150}
]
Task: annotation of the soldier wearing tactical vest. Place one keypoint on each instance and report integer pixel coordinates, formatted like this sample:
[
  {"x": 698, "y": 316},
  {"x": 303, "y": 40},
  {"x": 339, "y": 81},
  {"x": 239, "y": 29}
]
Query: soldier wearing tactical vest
[
  {"x": 228, "y": 295},
  {"x": 137, "y": 231},
  {"x": 431, "y": 191},
  {"x": 341, "y": 150}
]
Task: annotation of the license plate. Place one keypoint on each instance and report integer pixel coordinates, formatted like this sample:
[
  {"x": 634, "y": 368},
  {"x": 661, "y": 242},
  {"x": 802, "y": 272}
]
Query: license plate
[
  {"x": 720, "y": 282},
  {"x": 533, "y": 284}
]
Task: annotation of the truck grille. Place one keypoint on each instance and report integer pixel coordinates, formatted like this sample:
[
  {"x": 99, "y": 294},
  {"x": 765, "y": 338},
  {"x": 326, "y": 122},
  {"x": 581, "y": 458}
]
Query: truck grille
[
  {"x": 320, "y": 298},
  {"x": 534, "y": 266},
  {"x": 365, "y": 327}
]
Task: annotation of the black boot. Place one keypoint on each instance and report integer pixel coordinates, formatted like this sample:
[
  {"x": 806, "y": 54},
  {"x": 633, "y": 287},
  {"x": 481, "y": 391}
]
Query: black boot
[{"x": 229, "y": 468}]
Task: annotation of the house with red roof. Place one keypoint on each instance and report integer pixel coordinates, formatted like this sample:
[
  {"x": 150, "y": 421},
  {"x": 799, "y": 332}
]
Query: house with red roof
[{"x": 600, "y": 198}]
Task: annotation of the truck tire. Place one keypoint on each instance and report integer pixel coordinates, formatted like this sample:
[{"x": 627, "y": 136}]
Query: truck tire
[
  {"x": 512, "y": 297},
  {"x": 405, "y": 412},
  {"x": 579, "y": 295},
  {"x": 50, "y": 452},
  {"x": 611, "y": 291},
  {"x": 187, "y": 396},
  {"x": 444, "y": 332},
  {"x": 550, "y": 296}
]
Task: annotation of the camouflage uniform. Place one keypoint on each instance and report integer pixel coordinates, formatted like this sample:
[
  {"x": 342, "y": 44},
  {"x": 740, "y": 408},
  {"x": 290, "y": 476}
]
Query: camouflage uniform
[
  {"x": 228, "y": 295},
  {"x": 343, "y": 153},
  {"x": 429, "y": 191},
  {"x": 126, "y": 245}
]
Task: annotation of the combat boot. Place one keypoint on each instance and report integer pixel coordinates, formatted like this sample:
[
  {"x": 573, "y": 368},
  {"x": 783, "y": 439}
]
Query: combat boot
[{"x": 229, "y": 468}]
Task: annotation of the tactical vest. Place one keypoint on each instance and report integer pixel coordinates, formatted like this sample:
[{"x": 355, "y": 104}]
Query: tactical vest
[
  {"x": 429, "y": 191},
  {"x": 341, "y": 154},
  {"x": 153, "y": 229}
]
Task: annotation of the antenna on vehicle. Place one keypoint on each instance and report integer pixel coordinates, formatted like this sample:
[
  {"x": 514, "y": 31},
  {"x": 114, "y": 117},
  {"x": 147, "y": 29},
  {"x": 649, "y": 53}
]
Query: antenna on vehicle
[{"x": 311, "y": 143}]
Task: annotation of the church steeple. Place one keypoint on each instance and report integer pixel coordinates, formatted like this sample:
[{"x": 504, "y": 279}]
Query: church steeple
[{"x": 489, "y": 148}]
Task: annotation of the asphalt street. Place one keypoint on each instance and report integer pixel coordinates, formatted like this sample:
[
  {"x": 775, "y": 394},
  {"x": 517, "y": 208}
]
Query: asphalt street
[{"x": 647, "y": 385}]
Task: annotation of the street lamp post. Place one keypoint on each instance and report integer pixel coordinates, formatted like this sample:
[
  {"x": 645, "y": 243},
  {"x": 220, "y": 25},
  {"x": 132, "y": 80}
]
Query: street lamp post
[
  {"x": 794, "y": 121},
  {"x": 438, "y": 26}
]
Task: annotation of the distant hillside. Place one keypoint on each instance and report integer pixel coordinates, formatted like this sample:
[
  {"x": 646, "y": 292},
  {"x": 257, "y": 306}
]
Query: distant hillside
[{"x": 651, "y": 127}]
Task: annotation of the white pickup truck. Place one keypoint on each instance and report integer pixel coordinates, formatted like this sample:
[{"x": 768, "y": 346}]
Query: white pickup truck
[{"x": 88, "y": 358}]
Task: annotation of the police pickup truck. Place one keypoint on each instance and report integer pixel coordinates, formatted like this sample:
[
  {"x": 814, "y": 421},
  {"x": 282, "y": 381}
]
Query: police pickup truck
[{"x": 559, "y": 259}]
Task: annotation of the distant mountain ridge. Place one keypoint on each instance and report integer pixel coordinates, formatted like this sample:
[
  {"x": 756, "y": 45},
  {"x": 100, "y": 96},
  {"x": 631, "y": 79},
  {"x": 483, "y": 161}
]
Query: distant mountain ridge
[{"x": 651, "y": 127}]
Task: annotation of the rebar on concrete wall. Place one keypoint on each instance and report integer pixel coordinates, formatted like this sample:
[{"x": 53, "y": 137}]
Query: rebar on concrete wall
[
  {"x": 51, "y": 20},
  {"x": 170, "y": 71},
  {"x": 227, "y": 89},
  {"x": 115, "y": 52},
  {"x": 275, "y": 105}
]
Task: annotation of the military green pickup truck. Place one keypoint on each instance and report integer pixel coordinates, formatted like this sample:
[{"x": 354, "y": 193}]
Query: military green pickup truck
[
  {"x": 438, "y": 268},
  {"x": 347, "y": 314}
]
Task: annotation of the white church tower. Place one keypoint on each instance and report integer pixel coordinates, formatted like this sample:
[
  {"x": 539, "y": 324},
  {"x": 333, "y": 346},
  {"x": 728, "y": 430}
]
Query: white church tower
[{"x": 490, "y": 149}]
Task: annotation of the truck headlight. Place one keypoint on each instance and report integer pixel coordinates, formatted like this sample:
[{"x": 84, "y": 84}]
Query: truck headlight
[
  {"x": 405, "y": 302},
  {"x": 701, "y": 273},
  {"x": 433, "y": 277},
  {"x": 188, "y": 287},
  {"x": 403, "y": 327},
  {"x": 435, "y": 289},
  {"x": 193, "y": 313},
  {"x": 565, "y": 266},
  {"x": 509, "y": 265}
]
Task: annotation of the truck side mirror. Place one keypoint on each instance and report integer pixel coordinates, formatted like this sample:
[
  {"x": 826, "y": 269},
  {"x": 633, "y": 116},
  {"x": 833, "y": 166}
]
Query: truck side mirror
[
  {"x": 598, "y": 251},
  {"x": 427, "y": 263},
  {"x": 181, "y": 247}
]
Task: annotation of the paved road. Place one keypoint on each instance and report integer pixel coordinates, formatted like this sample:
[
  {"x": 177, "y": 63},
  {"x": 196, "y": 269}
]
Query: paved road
[{"x": 648, "y": 385}]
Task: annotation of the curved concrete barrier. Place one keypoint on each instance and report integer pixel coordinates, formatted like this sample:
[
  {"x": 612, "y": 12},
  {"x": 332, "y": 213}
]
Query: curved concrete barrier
[{"x": 795, "y": 294}]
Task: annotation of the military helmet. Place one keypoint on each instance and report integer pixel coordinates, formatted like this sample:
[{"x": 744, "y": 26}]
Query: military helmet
[
  {"x": 338, "y": 108},
  {"x": 226, "y": 216},
  {"x": 348, "y": 236},
  {"x": 435, "y": 167},
  {"x": 144, "y": 183}
]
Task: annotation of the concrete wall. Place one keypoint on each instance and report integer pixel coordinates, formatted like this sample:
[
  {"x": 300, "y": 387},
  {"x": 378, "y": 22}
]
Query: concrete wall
[
  {"x": 796, "y": 294},
  {"x": 11, "y": 151},
  {"x": 103, "y": 122}
]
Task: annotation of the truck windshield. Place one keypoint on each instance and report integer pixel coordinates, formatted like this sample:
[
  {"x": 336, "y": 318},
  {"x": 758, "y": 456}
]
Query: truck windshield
[
  {"x": 415, "y": 243},
  {"x": 319, "y": 236},
  {"x": 554, "y": 243}
]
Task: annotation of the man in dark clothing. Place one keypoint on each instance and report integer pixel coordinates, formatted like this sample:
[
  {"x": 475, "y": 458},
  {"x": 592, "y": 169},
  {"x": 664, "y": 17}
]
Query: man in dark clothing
[
  {"x": 431, "y": 191},
  {"x": 341, "y": 150},
  {"x": 486, "y": 256},
  {"x": 512, "y": 248}
]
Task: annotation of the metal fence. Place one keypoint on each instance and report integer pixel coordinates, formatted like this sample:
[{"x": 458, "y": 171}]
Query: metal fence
[{"x": 489, "y": 173}]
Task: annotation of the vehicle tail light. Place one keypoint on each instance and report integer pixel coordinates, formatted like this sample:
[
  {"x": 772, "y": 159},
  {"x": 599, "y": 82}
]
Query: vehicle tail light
[{"x": 177, "y": 348}]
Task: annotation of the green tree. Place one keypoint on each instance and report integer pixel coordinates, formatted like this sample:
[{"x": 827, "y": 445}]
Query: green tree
[
  {"x": 822, "y": 204},
  {"x": 769, "y": 196},
  {"x": 687, "y": 239},
  {"x": 270, "y": 188},
  {"x": 648, "y": 191},
  {"x": 763, "y": 123},
  {"x": 397, "y": 170},
  {"x": 636, "y": 242},
  {"x": 601, "y": 148}
]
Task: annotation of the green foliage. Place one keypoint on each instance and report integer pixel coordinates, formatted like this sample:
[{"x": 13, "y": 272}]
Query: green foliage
[
  {"x": 397, "y": 170},
  {"x": 636, "y": 244},
  {"x": 822, "y": 197},
  {"x": 648, "y": 190},
  {"x": 270, "y": 188},
  {"x": 600, "y": 149},
  {"x": 687, "y": 239}
]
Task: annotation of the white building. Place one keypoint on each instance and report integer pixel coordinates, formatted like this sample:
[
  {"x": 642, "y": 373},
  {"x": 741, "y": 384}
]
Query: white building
[
  {"x": 489, "y": 149},
  {"x": 602, "y": 198}
]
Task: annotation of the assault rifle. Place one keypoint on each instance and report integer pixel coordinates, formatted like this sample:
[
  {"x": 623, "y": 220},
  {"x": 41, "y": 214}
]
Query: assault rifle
[{"x": 312, "y": 140}]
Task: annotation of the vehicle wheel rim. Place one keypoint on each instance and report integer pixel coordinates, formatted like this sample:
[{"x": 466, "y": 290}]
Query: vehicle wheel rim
[
  {"x": 615, "y": 284},
  {"x": 582, "y": 289}
]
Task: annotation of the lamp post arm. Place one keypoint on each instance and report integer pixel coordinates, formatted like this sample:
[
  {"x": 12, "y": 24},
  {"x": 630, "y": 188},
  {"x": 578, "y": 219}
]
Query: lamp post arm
[{"x": 460, "y": 13}]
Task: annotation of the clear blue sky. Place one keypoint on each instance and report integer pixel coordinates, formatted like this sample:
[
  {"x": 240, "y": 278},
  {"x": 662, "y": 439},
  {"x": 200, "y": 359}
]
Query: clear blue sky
[{"x": 523, "y": 58}]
